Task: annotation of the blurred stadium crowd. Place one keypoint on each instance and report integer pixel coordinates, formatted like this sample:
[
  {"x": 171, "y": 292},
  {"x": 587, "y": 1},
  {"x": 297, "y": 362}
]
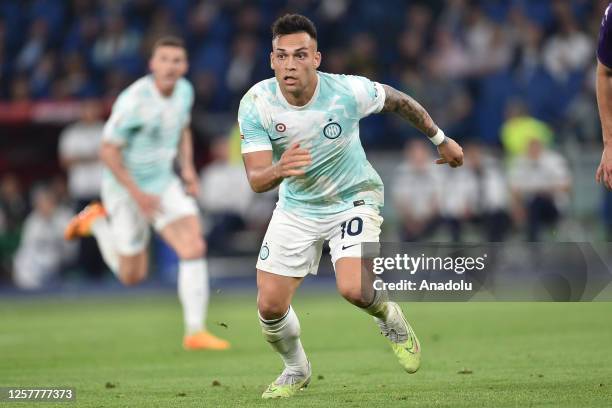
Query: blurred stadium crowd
[{"x": 511, "y": 80}]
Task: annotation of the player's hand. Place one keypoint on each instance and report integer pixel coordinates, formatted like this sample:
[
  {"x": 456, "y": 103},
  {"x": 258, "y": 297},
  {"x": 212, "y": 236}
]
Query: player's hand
[
  {"x": 293, "y": 161},
  {"x": 604, "y": 171},
  {"x": 450, "y": 153},
  {"x": 148, "y": 203},
  {"x": 191, "y": 182}
]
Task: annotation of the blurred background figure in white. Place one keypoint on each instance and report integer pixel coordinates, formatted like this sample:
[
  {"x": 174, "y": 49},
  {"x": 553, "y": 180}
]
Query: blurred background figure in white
[
  {"x": 415, "y": 192},
  {"x": 540, "y": 181},
  {"x": 79, "y": 147},
  {"x": 43, "y": 251},
  {"x": 225, "y": 197}
]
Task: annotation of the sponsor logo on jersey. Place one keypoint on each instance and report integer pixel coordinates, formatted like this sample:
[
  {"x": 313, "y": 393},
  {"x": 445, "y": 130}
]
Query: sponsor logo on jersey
[
  {"x": 332, "y": 130},
  {"x": 280, "y": 127}
]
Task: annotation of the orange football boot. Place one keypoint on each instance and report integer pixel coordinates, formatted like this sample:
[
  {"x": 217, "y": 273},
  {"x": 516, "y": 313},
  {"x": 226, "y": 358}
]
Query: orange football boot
[
  {"x": 204, "y": 341},
  {"x": 80, "y": 224}
]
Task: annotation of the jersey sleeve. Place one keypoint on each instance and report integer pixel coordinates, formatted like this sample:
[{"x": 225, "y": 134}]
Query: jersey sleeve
[
  {"x": 604, "y": 46},
  {"x": 253, "y": 135},
  {"x": 189, "y": 105},
  {"x": 369, "y": 95},
  {"x": 123, "y": 122}
]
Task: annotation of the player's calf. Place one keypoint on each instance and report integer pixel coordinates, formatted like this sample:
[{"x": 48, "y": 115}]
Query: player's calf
[{"x": 354, "y": 294}]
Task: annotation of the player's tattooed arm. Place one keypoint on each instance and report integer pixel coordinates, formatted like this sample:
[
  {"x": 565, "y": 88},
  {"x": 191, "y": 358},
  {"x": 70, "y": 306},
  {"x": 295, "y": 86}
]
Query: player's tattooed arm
[{"x": 409, "y": 109}]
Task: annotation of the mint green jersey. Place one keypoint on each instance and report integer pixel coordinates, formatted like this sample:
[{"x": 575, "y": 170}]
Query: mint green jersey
[
  {"x": 148, "y": 127},
  {"x": 340, "y": 176}
]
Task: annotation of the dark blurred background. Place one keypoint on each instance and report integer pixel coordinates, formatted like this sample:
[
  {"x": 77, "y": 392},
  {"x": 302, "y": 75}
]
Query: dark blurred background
[{"x": 513, "y": 81}]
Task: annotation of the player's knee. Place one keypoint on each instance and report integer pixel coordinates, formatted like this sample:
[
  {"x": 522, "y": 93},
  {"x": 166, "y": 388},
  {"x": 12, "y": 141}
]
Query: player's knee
[
  {"x": 194, "y": 249},
  {"x": 270, "y": 309},
  {"x": 131, "y": 275},
  {"x": 354, "y": 295}
]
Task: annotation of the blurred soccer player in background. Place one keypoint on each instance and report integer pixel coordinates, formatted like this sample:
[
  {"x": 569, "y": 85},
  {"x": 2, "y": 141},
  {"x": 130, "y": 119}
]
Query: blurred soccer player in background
[
  {"x": 300, "y": 130},
  {"x": 604, "y": 97},
  {"x": 149, "y": 125}
]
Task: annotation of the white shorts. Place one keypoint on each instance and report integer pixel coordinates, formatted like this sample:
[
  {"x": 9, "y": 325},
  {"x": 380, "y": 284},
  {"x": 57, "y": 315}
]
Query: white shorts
[
  {"x": 131, "y": 229},
  {"x": 292, "y": 245}
]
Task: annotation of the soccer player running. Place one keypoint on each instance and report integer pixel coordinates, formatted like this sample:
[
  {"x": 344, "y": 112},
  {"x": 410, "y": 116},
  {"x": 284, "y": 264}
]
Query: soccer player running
[
  {"x": 604, "y": 97},
  {"x": 149, "y": 124},
  {"x": 300, "y": 130}
]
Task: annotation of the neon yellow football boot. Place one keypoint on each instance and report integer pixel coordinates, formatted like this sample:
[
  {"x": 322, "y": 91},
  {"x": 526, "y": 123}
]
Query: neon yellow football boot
[
  {"x": 287, "y": 384},
  {"x": 402, "y": 338}
]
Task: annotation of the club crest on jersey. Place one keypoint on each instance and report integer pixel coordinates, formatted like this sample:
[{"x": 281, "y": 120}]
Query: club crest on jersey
[
  {"x": 280, "y": 127},
  {"x": 264, "y": 253},
  {"x": 332, "y": 130}
]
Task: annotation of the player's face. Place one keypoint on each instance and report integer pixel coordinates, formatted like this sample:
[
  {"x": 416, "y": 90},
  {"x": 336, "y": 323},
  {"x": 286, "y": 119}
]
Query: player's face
[
  {"x": 295, "y": 59},
  {"x": 168, "y": 64}
]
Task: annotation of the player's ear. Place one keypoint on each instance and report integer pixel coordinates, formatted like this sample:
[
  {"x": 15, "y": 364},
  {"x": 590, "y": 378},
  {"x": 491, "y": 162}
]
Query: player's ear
[
  {"x": 317, "y": 59},
  {"x": 272, "y": 59}
]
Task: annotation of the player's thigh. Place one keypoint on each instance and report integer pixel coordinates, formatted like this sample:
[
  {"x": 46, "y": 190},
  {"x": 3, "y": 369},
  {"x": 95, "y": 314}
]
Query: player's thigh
[
  {"x": 274, "y": 293},
  {"x": 129, "y": 228},
  {"x": 185, "y": 237},
  {"x": 130, "y": 234},
  {"x": 178, "y": 222},
  {"x": 292, "y": 246},
  {"x": 349, "y": 231}
]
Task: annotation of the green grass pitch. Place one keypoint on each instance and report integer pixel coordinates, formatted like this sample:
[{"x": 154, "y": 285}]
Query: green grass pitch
[{"x": 124, "y": 351}]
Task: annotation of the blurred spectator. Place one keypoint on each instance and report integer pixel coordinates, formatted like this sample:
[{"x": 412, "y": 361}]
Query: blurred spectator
[
  {"x": 78, "y": 152},
  {"x": 416, "y": 192},
  {"x": 528, "y": 52},
  {"x": 581, "y": 119},
  {"x": 520, "y": 129},
  {"x": 243, "y": 63},
  {"x": 76, "y": 78},
  {"x": 458, "y": 199},
  {"x": 42, "y": 76},
  {"x": 449, "y": 57},
  {"x": 477, "y": 194},
  {"x": 492, "y": 195},
  {"x": 569, "y": 49},
  {"x": 12, "y": 202},
  {"x": 118, "y": 44},
  {"x": 34, "y": 47},
  {"x": 225, "y": 197},
  {"x": 362, "y": 58},
  {"x": 43, "y": 250},
  {"x": 487, "y": 45},
  {"x": 540, "y": 182}
]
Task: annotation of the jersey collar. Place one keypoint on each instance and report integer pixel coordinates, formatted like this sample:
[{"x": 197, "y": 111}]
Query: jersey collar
[
  {"x": 157, "y": 93},
  {"x": 281, "y": 97}
]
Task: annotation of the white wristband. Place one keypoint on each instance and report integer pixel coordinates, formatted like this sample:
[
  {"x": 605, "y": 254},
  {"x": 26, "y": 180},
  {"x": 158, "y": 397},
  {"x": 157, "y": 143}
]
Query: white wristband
[{"x": 438, "y": 138}]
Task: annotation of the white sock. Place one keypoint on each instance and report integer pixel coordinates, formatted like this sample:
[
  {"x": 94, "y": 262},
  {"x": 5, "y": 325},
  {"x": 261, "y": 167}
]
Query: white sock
[
  {"x": 193, "y": 293},
  {"x": 378, "y": 307},
  {"x": 284, "y": 336},
  {"x": 102, "y": 232}
]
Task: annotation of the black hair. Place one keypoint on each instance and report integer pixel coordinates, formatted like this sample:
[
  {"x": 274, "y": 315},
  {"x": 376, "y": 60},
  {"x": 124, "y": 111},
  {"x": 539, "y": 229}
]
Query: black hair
[{"x": 293, "y": 23}]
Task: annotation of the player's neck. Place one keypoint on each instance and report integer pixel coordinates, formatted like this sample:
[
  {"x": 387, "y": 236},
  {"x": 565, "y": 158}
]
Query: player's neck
[
  {"x": 302, "y": 98},
  {"x": 166, "y": 93}
]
